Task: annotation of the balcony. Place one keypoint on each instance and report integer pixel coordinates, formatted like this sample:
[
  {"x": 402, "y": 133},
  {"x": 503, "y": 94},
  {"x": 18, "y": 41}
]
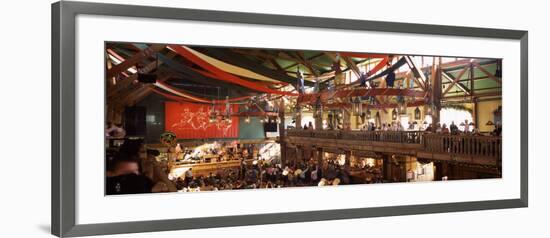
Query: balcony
[{"x": 481, "y": 150}]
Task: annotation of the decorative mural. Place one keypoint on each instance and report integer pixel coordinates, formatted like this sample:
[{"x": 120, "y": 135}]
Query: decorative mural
[{"x": 193, "y": 121}]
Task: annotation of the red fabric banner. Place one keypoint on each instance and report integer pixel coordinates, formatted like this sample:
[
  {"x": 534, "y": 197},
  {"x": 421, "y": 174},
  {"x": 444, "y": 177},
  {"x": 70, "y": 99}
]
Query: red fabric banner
[
  {"x": 191, "y": 121},
  {"x": 187, "y": 96},
  {"x": 222, "y": 75}
]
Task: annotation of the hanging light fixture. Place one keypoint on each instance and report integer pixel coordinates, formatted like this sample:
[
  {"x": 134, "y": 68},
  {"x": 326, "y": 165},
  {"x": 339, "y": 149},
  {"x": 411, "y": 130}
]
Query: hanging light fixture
[
  {"x": 212, "y": 117},
  {"x": 417, "y": 113},
  {"x": 247, "y": 119},
  {"x": 227, "y": 107},
  {"x": 394, "y": 114}
]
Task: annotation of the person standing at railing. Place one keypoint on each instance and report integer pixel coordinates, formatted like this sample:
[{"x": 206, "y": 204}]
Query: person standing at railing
[
  {"x": 447, "y": 143},
  {"x": 454, "y": 128},
  {"x": 429, "y": 128},
  {"x": 498, "y": 129},
  {"x": 438, "y": 128},
  {"x": 466, "y": 126},
  {"x": 444, "y": 129},
  {"x": 476, "y": 132}
]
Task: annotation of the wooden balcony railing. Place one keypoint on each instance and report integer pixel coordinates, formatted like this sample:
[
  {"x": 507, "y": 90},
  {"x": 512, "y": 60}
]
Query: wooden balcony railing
[
  {"x": 482, "y": 146},
  {"x": 476, "y": 146},
  {"x": 411, "y": 137}
]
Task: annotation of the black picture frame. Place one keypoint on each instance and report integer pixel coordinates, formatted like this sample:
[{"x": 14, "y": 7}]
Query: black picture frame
[{"x": 64, "y": 132}]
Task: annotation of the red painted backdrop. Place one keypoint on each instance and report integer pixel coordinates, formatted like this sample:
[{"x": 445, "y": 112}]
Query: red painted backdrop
[{"x": 191, "y": 121}]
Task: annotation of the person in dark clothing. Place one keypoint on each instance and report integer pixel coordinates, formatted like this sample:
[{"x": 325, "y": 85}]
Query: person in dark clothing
[
  {"x": 124, "y": 177},
  {"x": 390, "y": 79},
  {"x": 363, "y": 80},
  {"x": 498, "y": 129},
  {"x": 128, "y": 184},
  {"x": 454, "y": 128}
]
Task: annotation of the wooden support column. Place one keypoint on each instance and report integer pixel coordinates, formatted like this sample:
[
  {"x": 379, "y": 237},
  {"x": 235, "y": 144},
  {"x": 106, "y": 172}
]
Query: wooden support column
[
  {"x": 299, "y": 117},
  {"x": 320, "y": 156},
  {"x": 438, "y": 171},
  {"x": 386, "y": 167},
  {"x": 299, "y": 154},
  {"x": 435, "y": 78},
  {"x": 403, "y": 169},
  {"x": 444, "y": 169},
  {"x": 318, "y": 114},
  {"x": 114, "y": 114},
  {"x": 347, "y": 119},
  {"x": 348, "y": 159},
  {"x": 475, "y": 113},
  {"x": 282, "y": 133}
]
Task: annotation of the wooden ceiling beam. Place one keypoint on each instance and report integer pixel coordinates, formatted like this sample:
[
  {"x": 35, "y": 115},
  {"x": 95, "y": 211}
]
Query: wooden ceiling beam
[
  {"x": 491, "y": 76},
  {"x": 143, "y": 91},
  {"x": 140, "y": 56},
  {"x": 455, "y": 81},
  {"x": 460, "y": 85},
  {"x": 307, "y": 63},
  {"x": 310, "y": 58},
  {"x": 301, "y": 61},
  {"x": 124, "y": 83},
  {"x": 410, "y": 75},
  {"x": 478, "y": 95},
  {"x": 352, "y": 66},
  {"x": 412, "y": 65}
]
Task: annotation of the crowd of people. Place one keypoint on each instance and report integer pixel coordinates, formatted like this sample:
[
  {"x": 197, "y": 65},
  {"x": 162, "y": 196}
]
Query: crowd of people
[
  {"x": 468, "y": 129},
  {"x": 262, "y": 174},
  {"x": 128, "y": 172},
  {"x": 453, "y": 129},
  {"x": 393, "y": 126},
  {"x": 213, "y": 152}
]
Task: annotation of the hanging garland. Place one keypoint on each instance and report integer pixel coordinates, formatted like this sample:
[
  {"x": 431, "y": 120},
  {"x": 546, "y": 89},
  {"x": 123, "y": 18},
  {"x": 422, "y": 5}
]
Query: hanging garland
[{"x": 458, "y": 107}]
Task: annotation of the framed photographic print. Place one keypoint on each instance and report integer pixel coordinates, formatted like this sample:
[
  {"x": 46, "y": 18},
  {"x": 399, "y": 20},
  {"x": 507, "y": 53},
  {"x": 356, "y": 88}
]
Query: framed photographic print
[{"x": 167, "y": 119}]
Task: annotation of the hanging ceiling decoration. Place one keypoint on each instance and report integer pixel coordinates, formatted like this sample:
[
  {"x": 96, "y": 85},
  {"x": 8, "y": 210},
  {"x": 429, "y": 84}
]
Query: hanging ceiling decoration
[
  {"x": 223, "y": 75},
  {"x": 417, "y": 113},
  {"x": 394, "y": 114}
]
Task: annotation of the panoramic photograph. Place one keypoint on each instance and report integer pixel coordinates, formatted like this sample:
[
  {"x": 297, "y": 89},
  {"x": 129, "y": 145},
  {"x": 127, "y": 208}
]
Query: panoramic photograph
[{"x": 188, "y": 118}]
